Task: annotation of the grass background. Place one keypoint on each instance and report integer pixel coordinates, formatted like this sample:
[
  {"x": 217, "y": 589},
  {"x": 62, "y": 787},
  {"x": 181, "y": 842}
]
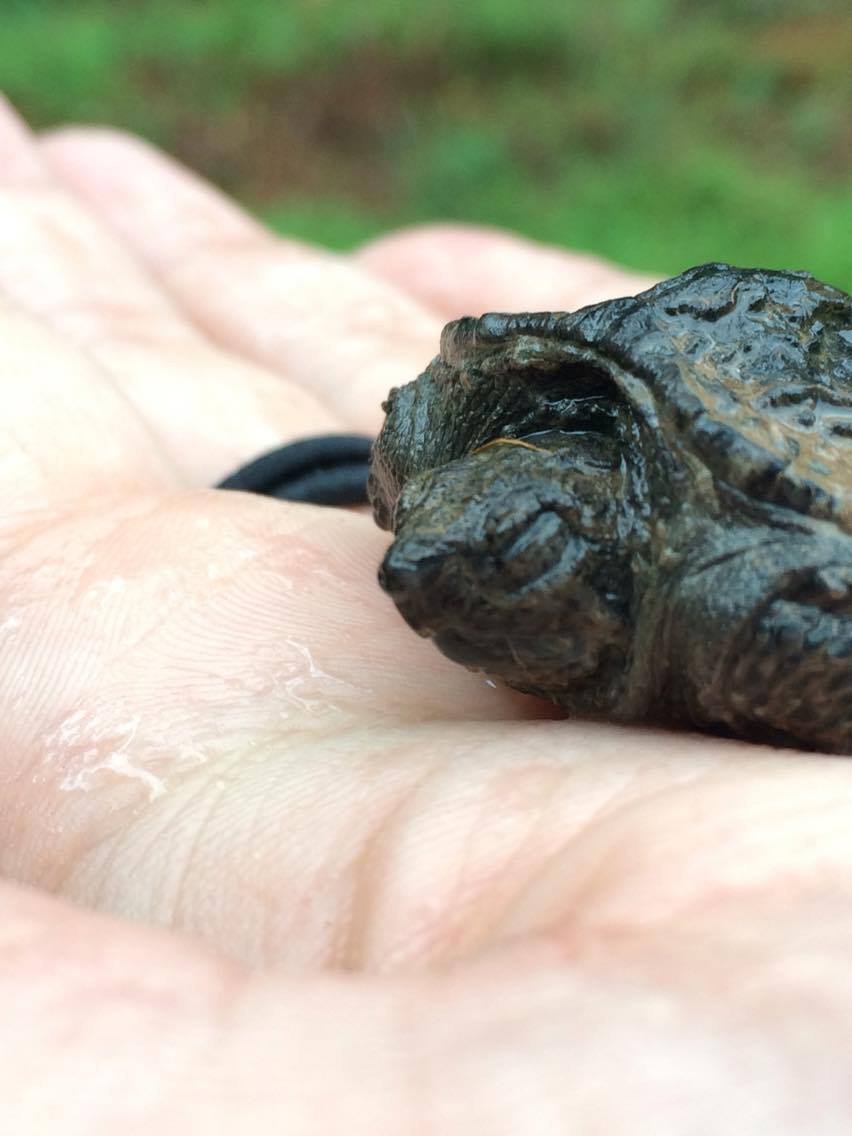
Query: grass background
[{"x": 660, "y": 133}]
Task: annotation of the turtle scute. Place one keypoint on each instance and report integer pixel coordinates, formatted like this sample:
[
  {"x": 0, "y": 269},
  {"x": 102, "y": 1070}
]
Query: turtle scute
[{"x": 640, "y": 510}]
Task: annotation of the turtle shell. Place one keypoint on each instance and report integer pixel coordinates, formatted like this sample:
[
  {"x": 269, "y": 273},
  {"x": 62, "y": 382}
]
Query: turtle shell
[
  {"x": 748, "y": 368},
  {"x": 641, "y": 509}
]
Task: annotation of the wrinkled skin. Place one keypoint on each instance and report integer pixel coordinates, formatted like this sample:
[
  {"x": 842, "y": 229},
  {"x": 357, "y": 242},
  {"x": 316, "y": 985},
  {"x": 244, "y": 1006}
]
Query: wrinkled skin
[{"x": 642, "y": 509}]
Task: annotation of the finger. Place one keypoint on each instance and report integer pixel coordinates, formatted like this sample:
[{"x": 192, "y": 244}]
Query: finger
[
  {"x": 68, "y": 439},
  {"x": 209, "y": 410},
  {"x": 117, "y": 1028},
  {"x": 345, "y": 334},
  {"x": 465, "y": 270},
  {"x": 84, "y": 993},
  {"x": 111, "y": 1027}
]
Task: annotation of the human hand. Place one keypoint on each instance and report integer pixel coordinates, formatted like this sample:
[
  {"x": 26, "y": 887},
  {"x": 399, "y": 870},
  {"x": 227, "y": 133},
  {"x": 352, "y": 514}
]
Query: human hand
[{"x": 395, "y": 898}]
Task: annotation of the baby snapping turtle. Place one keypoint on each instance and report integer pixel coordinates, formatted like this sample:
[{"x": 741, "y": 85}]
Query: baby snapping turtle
[{"x": 641, "y": 510}]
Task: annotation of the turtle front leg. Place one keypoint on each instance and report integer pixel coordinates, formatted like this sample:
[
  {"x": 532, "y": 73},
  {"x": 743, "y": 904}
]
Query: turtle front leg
[
  {"x": 793, "y": 677},
  {"x": 761, "y": 647}
]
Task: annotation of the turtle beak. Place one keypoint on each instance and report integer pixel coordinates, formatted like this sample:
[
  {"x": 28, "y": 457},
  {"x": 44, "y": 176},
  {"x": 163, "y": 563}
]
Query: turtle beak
[
  {"x": 411, "y": 573},
  {"x": 437, "y": 594}
]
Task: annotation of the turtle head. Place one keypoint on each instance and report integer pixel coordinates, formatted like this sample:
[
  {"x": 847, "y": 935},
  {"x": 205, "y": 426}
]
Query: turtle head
[{"x": 512, "y": 547}]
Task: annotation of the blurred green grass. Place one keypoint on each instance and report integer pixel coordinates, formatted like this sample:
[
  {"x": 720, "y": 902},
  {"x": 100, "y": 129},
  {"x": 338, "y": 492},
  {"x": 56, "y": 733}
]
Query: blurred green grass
[{"x": 660, "y": 133}]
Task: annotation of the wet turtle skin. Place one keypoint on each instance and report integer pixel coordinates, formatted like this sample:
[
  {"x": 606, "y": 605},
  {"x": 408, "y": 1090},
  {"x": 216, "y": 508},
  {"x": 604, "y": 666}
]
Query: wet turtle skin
[{"x": 640, "y": 510}]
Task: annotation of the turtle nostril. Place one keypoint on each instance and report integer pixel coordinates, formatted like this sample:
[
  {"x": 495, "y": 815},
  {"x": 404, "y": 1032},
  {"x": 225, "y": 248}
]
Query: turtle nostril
[
  {"x": 413, "y": 575},
  {"x": 409, "y": 568}
]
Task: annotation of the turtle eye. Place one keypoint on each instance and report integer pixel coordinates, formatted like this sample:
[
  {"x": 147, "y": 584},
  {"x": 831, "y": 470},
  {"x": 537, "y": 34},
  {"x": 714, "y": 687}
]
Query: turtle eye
[
  {"x": 552, "y": 439},
  {"x": 584, "y": 451},
  {"x": 545, "y": 407},
  {"x": 503, "y": 441},
  {"x": 575, "y": 381},
  {"x": 543, "y": 441}
]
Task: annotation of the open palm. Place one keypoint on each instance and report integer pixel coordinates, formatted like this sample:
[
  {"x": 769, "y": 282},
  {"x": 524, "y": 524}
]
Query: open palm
[{"x": 398, "y": 898}]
